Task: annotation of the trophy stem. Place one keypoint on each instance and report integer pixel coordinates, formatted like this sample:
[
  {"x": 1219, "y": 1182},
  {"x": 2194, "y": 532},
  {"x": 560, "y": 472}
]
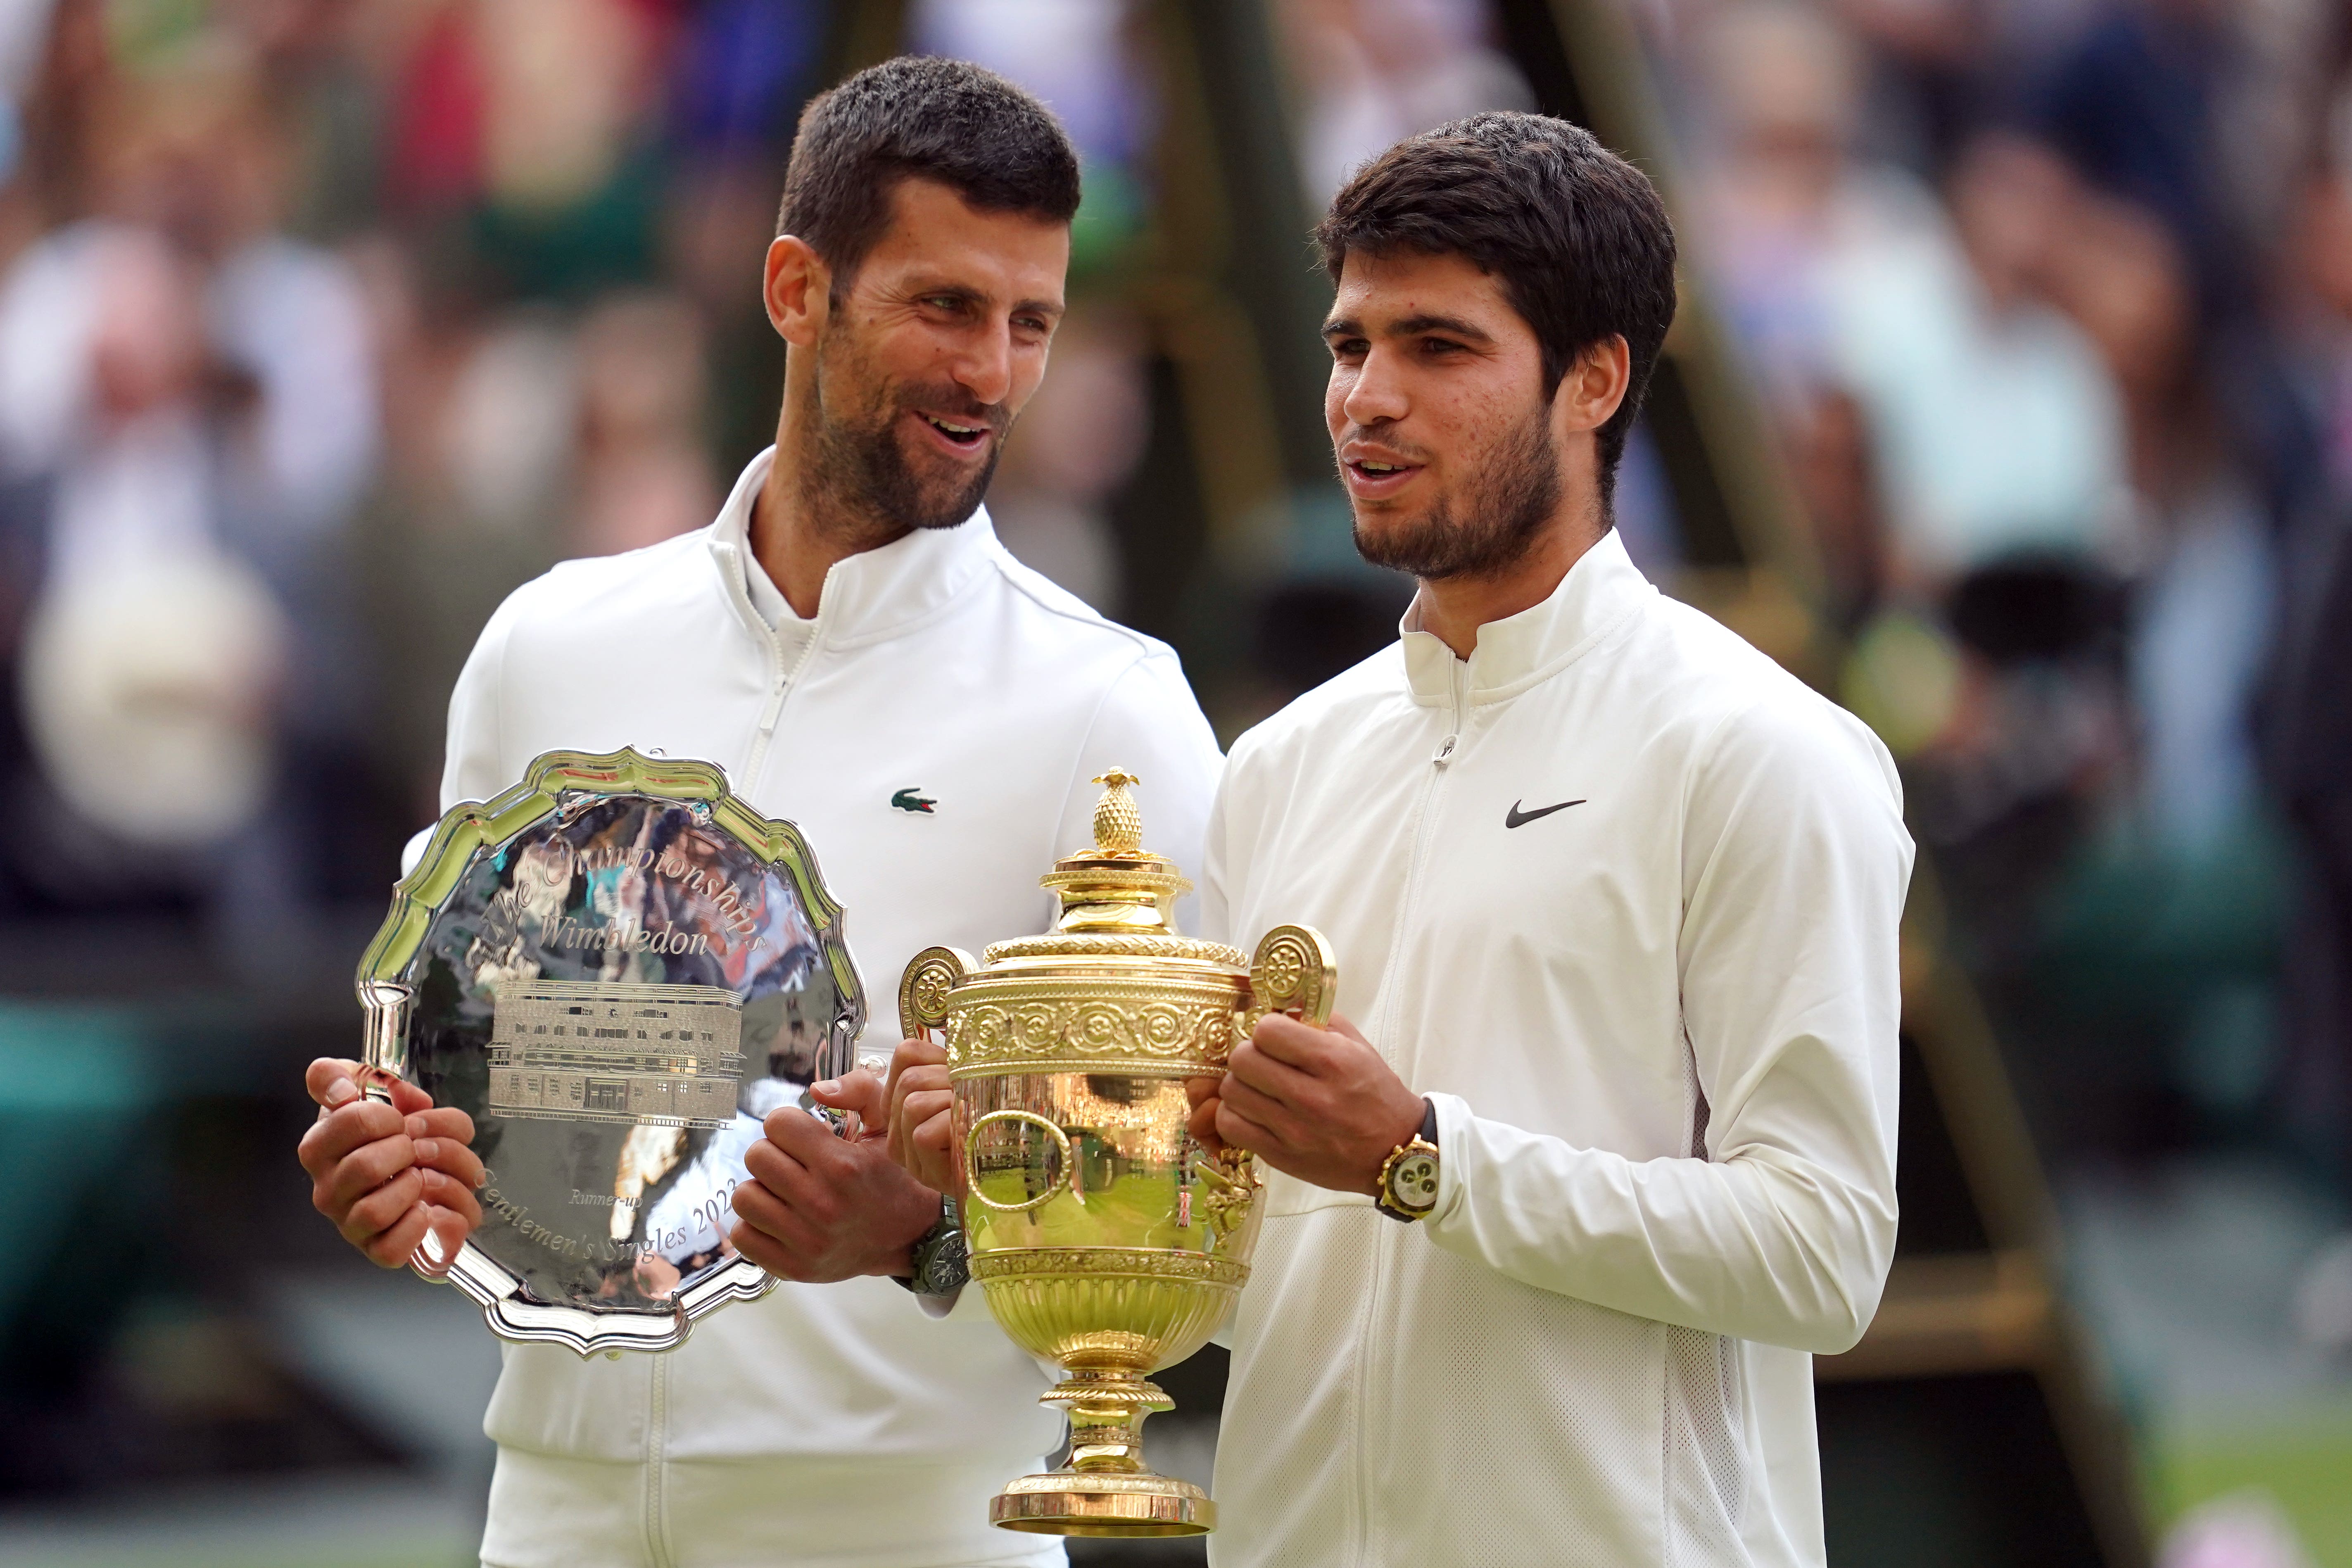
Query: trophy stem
[
  {"x": 1106, "y": 1488},
  {"x": 1106, "y": 1411}
]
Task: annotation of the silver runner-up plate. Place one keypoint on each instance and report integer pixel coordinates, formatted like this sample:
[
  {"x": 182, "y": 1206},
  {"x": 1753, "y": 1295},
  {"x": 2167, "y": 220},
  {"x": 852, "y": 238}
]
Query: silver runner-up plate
[{"x": 618, "y": 970}]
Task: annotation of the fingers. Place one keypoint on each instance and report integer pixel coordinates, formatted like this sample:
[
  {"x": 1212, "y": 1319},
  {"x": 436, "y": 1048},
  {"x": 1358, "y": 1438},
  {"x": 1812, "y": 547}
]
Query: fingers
[
  {"x": 1202, "y": 1123},
  {"x": 781, "y": 1258},
  {"x": 807, "y": 1139},
  {"x": 909, "y": 1078},
  {"x": 858, "y": 1090},
  {"x": 367, "y": 1217},
  {"x": 1254, "y": 1065},
  {"x": 1259, "y": 1108},
  {"x": 447, "y": 1156},
  {"x": 772, "y": 1214},
  {"x": 337, "y": 1133},
  {"x": 915, "y": 1054},
  {"x": 453, "y": 1202},
  {"x": 1282, "y": 1038},
  {"x": 445, "y": 1122},
  {"x": 397, "y": 1242},
  {"x": 938, "y": 1163},
  {"x": 1238, "y": 1132},
  {"x": 333, "y": 1082},
  {"x": 359, "y": 1175}
]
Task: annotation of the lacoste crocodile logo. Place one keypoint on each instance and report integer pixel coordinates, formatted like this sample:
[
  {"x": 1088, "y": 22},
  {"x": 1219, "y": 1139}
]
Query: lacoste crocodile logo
[
  {"x": 1514, "y": 818},
  {"x": 909, "y": 800}
]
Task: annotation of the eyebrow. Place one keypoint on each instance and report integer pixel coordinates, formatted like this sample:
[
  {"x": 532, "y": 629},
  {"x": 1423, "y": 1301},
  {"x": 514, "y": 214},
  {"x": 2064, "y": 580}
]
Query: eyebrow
[{"x": 1410, "y": 326}]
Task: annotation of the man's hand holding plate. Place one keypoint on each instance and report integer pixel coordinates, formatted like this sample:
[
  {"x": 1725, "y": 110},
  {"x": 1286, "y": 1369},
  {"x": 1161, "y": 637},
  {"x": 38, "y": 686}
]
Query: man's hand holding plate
[
  {"x": 821, "y": 1208},
  {"x": 388, "y": 1176}
]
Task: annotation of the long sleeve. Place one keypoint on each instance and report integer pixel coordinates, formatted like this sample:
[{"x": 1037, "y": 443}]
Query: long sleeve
[{"x": 1794, "y": 866}]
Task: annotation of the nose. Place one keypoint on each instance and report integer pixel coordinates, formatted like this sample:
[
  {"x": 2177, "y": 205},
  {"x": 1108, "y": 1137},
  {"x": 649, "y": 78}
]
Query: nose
[
  {"x": 985, "y": 367},
  {"x": 1373, "y": 391}
]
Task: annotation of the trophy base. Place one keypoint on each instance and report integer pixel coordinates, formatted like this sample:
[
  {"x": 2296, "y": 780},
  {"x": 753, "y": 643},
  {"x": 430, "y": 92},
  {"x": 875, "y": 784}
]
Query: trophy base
[{"x": 1082, "y": 1503}]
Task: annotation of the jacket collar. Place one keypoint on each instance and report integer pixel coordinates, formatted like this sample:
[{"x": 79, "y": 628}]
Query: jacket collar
[
  {"x": 869, "y": 597},
  {"x": 1593, "y": 599}
]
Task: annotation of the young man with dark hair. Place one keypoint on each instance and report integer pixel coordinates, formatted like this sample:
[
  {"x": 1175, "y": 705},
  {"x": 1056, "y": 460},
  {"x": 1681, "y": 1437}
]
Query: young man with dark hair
[
  {"x": 852, "y": 644},
  {"x": 1550, "y": 1237}
]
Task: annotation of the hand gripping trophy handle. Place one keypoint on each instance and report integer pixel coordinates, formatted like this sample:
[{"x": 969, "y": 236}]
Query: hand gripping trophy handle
[{"x": 1293, "y": 971}]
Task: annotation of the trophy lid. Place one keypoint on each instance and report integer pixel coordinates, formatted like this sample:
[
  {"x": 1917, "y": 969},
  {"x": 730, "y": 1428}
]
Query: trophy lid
[{"x": 1117, "y": 897}]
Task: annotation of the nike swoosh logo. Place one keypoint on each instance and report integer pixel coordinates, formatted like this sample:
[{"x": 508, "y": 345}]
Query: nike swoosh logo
[{"x": 1514, "y": 818}]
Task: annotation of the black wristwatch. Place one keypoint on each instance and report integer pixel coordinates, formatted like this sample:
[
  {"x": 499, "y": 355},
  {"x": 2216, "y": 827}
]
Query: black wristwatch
[
  {"x": 940, "y": 1266},
  {"x": 1409, "y": 1177}
]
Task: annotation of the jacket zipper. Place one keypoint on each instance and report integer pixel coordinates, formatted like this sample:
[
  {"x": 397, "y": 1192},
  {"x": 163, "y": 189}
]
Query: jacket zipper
[
  {"x": 785, "y": 680},
  {"x": 1372, "y": 1343},
  {"x": 772, "y": 710}
]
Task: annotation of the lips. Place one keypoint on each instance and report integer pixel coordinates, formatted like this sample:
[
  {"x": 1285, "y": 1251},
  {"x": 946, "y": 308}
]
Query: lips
[
  {"x": 964, "y": 434},
  {"x": 1372, "y": 473}
]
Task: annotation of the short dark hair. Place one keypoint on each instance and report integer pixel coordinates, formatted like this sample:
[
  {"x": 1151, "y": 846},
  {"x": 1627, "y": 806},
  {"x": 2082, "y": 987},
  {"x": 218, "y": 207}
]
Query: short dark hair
[
  {"x": 1578, "y": 236},
  {"x": 949, "y": 120}
]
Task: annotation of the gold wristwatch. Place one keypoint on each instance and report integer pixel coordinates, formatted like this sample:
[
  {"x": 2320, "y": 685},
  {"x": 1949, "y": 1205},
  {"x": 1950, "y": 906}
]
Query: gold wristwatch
[{"x": 1409, "y": 1177}]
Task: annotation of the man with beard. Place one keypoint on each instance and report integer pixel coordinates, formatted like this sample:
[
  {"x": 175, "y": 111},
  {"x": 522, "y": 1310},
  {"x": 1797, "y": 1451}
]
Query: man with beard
[
  {"x": 1549, "y": 1240},
  {"x": 852, "y": 644}
]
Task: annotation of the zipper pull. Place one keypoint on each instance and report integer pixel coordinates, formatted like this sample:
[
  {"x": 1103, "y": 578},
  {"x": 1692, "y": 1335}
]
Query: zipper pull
[{"x": 1444, "y": 752}]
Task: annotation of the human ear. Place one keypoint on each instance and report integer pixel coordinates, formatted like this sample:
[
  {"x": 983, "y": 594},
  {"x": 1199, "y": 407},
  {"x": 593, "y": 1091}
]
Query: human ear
[
  {"x": 1594, "y": 386},
  {"x": 797, "y": 289}
]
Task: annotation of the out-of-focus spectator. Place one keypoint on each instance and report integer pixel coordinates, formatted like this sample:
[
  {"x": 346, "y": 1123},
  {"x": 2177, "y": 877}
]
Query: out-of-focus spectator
[
  {"x": 643, "y": 473},
  {"x": 1844, "y": 277},
  {"x": 1950, "y": 342},
  {"x": 1080, "y": 437},
  {"x": 194, "y": 394},
  {"x": 1375, "y": 71}
]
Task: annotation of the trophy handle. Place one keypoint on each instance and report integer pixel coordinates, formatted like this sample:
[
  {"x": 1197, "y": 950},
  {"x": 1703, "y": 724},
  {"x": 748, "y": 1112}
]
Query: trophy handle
[
  {"x": 384, "y": 1056},
  {"x": 1069, "y": 1176},
  {"x": 923, "y": 989},
  {"x": 1293, "y": 972}
]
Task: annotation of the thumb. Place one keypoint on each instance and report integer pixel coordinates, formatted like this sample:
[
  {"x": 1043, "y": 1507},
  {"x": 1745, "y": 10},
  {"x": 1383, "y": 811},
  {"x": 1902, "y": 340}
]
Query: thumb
[
  {"x": 332, "y": 1081},
  {"x": 858, "y": 1090}
]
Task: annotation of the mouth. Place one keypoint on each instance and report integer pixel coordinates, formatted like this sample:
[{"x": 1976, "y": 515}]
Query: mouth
[
  {"x": 1376, "y": 479},
  {"x": 957, "y": 435}
]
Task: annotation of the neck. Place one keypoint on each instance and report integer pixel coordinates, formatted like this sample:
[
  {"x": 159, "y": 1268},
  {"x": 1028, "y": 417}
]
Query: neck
[
  {"x": 1454, "y": 608},
  {"x": 800, "y": 524}
]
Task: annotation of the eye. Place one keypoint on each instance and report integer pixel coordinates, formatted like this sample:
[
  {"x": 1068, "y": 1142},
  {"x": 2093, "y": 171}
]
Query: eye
[
  {"x": 948, "y": 302},
  {"x": 1437, "y": 348},
  {"x": 1346, "y": 348}
]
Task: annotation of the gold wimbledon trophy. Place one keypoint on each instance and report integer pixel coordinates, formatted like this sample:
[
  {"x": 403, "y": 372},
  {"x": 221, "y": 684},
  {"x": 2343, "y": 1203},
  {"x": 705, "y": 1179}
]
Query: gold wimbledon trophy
[{"x": 1107, "y": 1240}]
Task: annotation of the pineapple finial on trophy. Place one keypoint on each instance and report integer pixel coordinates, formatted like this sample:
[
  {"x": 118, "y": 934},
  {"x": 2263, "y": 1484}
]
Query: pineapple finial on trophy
[{"x": 1119, "y": 825}]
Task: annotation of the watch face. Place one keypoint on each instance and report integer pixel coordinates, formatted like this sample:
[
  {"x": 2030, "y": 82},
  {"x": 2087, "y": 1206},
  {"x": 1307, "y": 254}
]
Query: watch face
[
  {"x": 1413, "y": 1183},
  {"x": 945, "y": 1269}
]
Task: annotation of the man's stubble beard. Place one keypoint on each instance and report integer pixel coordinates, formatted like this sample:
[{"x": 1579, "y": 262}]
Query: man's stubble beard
[
  {"x": 1503, "y": 512},
  {"x": 856, "y": 475}
]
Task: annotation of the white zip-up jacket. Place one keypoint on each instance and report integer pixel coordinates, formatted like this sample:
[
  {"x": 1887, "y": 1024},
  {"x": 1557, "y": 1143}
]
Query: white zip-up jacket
[
  {"x": 830, "y": 1425},
  {"x": 1620, "y": 896}
]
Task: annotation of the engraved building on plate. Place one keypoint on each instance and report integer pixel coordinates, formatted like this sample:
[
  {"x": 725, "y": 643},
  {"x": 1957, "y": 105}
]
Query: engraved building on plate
[{"x": 668, "y": 1056}]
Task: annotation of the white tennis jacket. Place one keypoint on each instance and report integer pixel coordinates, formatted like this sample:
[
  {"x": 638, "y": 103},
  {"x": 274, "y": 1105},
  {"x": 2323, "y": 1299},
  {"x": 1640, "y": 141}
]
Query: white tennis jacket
[
  {"x": 932, "y": 730},
  {"x": 1621, "y": 896}
]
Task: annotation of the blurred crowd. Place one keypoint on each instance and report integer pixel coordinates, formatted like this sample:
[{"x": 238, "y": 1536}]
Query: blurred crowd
[
  {"x": 2053, "y": 304},
  {"x": 324, "y": 322}
]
